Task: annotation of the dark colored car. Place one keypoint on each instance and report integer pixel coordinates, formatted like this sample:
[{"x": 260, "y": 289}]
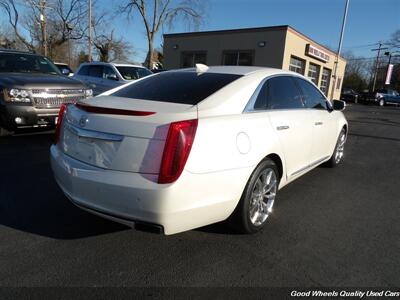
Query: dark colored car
[
  {"x": 382, "y": 97},
  {"x": 32, "y": 90},
  {"x": 349, "y": 95}
]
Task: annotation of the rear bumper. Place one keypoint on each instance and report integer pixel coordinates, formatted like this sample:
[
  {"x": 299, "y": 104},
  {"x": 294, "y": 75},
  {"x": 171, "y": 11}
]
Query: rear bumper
[
  {"x": 193, "y": 201},
  {"x": 28, "y": 115}
]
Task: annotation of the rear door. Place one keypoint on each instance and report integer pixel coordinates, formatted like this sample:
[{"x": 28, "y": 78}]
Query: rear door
[
  {"x": 322, "y": 121},
  {"x": 291, "y": 122}
]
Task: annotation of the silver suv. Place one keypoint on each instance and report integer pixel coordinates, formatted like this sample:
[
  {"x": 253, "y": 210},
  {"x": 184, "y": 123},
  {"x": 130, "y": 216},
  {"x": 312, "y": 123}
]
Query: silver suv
[{"x": 102, "y": 76}]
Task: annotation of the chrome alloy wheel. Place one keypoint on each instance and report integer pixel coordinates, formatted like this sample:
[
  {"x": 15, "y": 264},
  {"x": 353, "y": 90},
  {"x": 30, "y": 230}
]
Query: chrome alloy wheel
[
  {"x": 340, "y": 147},
  {"x": 263, "y": 197}
]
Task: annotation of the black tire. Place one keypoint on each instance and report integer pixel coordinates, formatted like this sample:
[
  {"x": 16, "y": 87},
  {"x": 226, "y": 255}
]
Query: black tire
[
  {"x": 240, "y": 219},
  {"x": 334, "y": 161},
  {"x": 5, "y": 132}
]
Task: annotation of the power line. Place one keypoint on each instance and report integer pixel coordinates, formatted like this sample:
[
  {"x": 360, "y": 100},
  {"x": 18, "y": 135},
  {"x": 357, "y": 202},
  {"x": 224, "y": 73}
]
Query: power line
[{"x": 360, "y": 46}]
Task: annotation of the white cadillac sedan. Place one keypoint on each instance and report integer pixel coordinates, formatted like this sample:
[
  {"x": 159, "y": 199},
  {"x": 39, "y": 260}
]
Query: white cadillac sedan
[{"x": 182, "y": 149}]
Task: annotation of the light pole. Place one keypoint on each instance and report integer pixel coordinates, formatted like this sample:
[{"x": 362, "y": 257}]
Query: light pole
[
  {"x": 69, "y": 29},
  {"x": 90, "y": 32},
  {"x": 339, "y": 47},
  {"x": 42, "y": 8}
]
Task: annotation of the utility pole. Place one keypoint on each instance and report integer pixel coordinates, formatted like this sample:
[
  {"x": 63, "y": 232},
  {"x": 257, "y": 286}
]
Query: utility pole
[
  {"x": 90, "y": 31},
  {"x": 377, "y": 64},
  {"x": 69, "y": 29},
  {"x": 42, "y": 7},
  {"x": 339, "y": 48}
]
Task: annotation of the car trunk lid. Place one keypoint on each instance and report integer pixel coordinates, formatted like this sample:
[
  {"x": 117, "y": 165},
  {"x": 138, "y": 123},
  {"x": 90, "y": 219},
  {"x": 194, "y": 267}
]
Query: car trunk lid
[{"x": 119, "y": 133}]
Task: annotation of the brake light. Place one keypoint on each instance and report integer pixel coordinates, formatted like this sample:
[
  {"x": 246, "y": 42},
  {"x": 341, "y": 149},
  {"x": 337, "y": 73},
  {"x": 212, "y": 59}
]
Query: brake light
[
  {"x": 177, "y": 147},
  {"x": 61, "y": 114}
]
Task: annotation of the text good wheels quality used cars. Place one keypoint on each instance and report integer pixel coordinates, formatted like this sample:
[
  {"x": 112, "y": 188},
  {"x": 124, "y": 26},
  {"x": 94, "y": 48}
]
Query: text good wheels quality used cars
[{"x": 182, "y": 149}]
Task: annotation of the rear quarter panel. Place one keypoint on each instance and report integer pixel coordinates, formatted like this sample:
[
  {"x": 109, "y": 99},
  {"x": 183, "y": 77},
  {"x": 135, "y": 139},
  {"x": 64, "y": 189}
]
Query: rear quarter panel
[{"x": 232, "y": 142}]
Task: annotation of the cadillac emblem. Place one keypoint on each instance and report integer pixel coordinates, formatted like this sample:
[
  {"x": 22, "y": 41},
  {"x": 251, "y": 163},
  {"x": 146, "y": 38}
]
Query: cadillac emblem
[{"x": 83, "y": 120}]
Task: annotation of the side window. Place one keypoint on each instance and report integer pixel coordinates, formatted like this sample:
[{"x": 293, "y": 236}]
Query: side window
[
  {"x": 96, "y": 71},
  {"x": 261, "y": 101},
  {"x": 282, "y": 93},
  {"x": 107, "y": 72},
  {"x": 84, "y": 71},
  {"x": 312, "y": 97}
]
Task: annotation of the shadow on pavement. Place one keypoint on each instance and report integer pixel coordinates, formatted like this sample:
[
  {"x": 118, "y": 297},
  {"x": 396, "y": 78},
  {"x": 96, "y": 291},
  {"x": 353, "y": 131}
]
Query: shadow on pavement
[
  {"x": 30, "y": 199},
  {"x": 375, "y": 137}
]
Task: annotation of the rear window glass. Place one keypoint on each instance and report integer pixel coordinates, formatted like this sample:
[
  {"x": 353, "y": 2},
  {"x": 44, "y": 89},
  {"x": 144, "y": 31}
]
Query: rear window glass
[{"x": 177, "y": 87}]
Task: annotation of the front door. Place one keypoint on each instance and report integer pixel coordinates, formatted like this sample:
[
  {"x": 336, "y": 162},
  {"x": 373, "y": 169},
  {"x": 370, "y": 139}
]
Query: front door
[
  {"x": 291, "y": 122},
  {"x": 322, "y": 120}
]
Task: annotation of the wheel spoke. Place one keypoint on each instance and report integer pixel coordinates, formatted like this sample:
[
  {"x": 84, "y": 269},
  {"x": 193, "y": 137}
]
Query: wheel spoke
[
  {"x": 258, "y": 185},
  {"x": 263, "y": 196}
]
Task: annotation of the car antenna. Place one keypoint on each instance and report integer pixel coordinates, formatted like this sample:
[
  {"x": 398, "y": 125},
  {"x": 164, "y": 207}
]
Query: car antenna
[{"x": 200, "y": 68}]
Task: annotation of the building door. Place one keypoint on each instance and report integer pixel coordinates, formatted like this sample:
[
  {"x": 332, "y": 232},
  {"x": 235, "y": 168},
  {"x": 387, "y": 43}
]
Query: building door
[{"x": 325, "y": 81}]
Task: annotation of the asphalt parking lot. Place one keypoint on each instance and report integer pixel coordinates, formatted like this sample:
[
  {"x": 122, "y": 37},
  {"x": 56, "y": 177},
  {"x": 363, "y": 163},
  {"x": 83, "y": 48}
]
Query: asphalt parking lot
[{"x": 332, "y": 227}]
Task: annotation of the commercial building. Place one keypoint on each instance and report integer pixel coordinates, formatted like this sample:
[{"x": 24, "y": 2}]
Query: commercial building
[{"x": 280, "y": 47}]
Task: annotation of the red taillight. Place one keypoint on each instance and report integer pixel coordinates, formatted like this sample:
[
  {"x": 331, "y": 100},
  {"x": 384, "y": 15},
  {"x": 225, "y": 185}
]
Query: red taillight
[
  {"x": 61, "y": 114},
  {"x": 176, "y": 150}
]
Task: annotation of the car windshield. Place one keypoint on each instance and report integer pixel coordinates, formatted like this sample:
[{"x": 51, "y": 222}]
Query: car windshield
[
  {"x": 177, "y": 87},
  {"x": 133, "y": 73},
  {"x": 26, "y": 63}
]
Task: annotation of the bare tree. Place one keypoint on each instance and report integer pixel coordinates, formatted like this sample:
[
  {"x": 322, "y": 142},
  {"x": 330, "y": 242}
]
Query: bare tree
[
  {"x": 357, "y": 73},
  {"x": 13, "y": 15},
  {"x": 157, "y": 13},
  {"x": 66, "y": 20},
  {"x": 111, "y": 48}
]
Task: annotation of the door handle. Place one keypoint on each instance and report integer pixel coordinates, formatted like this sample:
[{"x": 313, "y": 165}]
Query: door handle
[
  {"x": 284, "y": 127},
  {"x": 318, "y": 123}
]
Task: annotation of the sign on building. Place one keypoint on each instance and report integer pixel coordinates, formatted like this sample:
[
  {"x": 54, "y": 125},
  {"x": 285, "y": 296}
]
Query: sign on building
[{"x": 316, "y": 53}]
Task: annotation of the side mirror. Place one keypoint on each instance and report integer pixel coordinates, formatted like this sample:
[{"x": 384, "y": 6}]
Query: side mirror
[
  {"x": 65, "y": 72},
  {"x": 112, "y": 77},
  {"x": 339, "y": 105}
]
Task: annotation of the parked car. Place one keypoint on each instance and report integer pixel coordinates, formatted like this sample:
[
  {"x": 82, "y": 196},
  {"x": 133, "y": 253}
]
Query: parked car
[
  {"x": 349, "y": 95},
  {"x": 64, "y": 69},
  {"x": 382, "y": 97},
  {"x": 32, "y": 90},
  {"x": 186, "y": 148},
  {"x": 105, "y": 76}
]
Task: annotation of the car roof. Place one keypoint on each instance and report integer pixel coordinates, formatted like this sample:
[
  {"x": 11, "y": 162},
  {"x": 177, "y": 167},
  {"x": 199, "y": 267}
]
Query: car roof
[
  {"x": 100, "y": 63},
  {"x": 239, "y": 70},
  {"x": 3, "y": 50}
]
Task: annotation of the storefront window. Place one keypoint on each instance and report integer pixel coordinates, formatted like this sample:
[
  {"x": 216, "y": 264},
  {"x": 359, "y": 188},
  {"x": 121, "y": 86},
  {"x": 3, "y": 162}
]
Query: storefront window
[
  {"x": 325, "y": 81},
  {"x": 190, "y": 59},
  {"x": 313, "y": 73},
  {"x": 297, "y": 65},
  {"x": 237, "y": 58}
]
